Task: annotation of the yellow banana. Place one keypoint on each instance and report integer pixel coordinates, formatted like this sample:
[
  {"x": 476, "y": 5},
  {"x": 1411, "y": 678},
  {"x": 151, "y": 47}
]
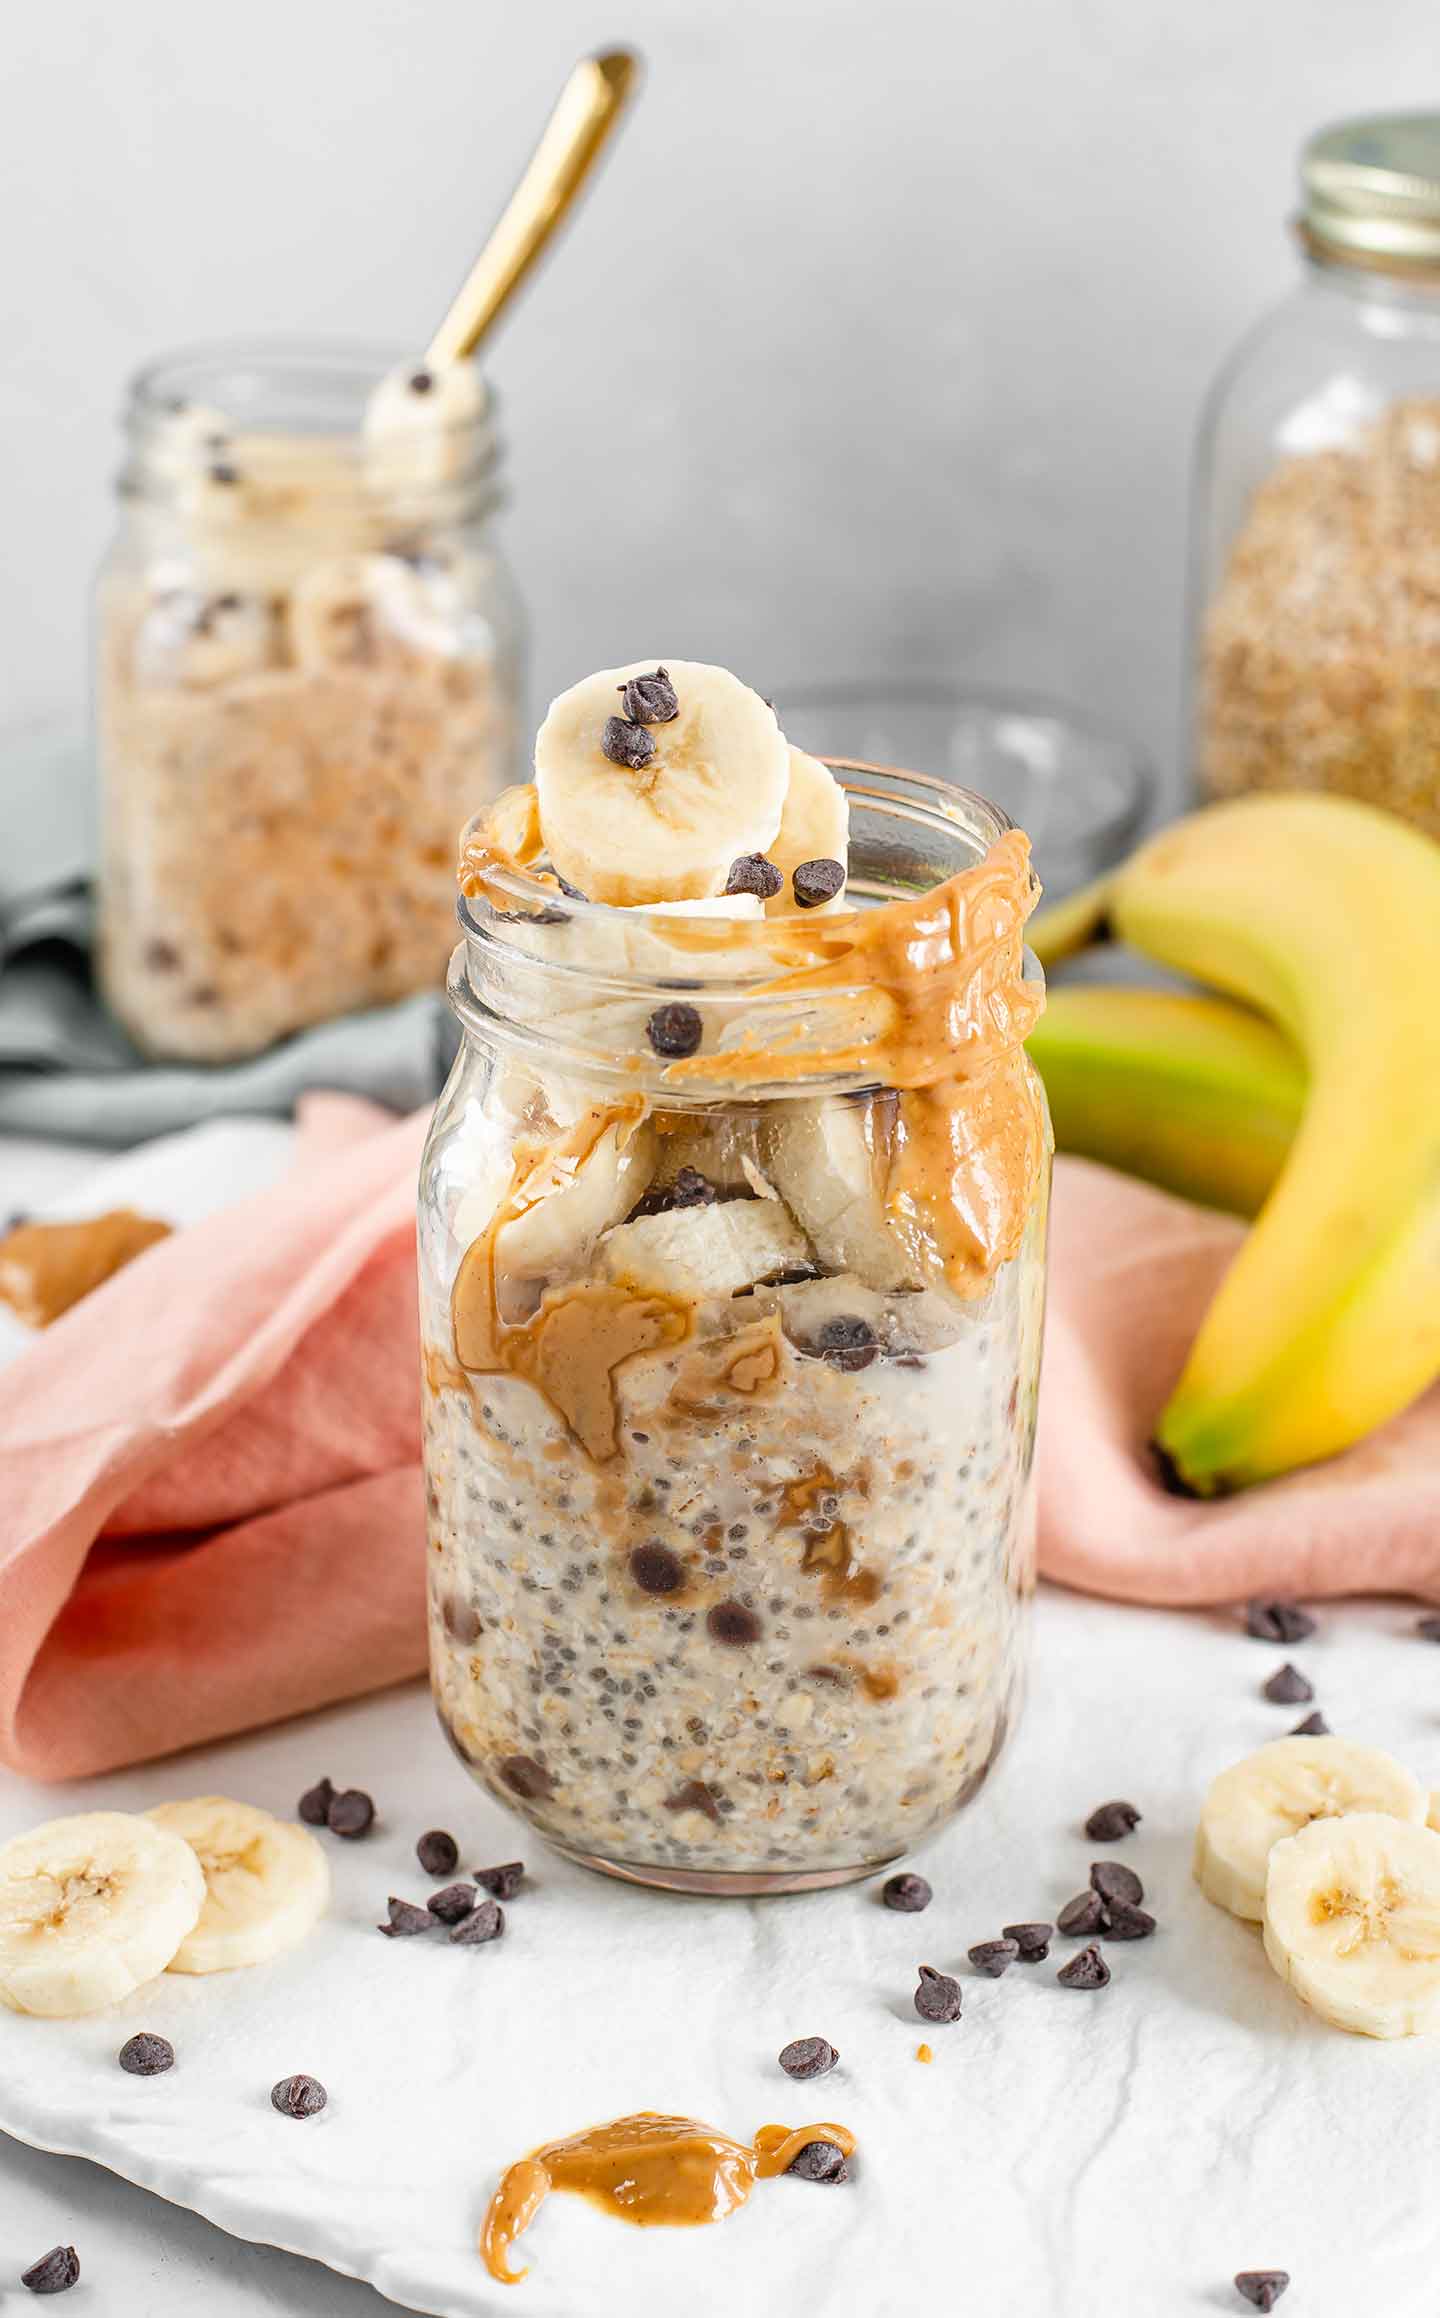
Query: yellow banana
[
  {"x": 1325, "y": 915},
  {"x": 1191, "y": 1093}
]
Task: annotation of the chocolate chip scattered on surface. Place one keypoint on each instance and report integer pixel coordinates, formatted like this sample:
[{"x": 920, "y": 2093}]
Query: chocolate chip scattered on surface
[
  {"x": 54, "y": 2273},
  {"x": 1087, "y": 1970},
  {"x": 146, "y": 2056},
  {"x": 1032, "y": 1940},
  {"x": 626, "y": 743},
  {"x": 1118, "y": 1885},
  {"x": 1082, "y": 1915},
  {"x": 501, "y": 1882},
  {"x": 1262, "y": 2289},
  {"x": 455, "y": 1901},
  {"x": 937, "y": 1997},
  {"x": 1278, "y": 1621},
  {"x": 1112, "y": 1822},
  {"x": 299, "y": 2096},
  {"x": 808, "y": 2056},
  {"x": 351, "y": 1814},
  {"x": 907, "y": 1894},
  {"x": 817, "y": 881},
  {"x": 822, "y": 2161},
  {"x": 674, "y": 1030},
  {"x": 1314, "y": 1726},
  {"x": 437, "y": 1852},
  {"x": 474, "y": 1931},
  {"x": 994, "y": 1957},
  {"x": 1287, "y": 1686},
  {"x": 405, "y": 1919},
  {"x": 1123, "y": 1922},
  {"x": 1428, "y": 1627},
  {"x": 314, "y": 1804}
]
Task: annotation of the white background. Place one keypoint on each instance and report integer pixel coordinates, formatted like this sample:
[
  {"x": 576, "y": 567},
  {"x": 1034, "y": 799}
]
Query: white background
[{"x": 880, "y": 344}]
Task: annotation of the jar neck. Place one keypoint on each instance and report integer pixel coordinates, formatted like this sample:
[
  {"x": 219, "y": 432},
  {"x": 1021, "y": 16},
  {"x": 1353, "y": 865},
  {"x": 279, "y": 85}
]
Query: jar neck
[{"x": 1384, "y": 284}]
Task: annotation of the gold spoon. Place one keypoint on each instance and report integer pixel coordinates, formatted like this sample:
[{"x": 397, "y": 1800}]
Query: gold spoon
[{"x": 589, "y": 107}]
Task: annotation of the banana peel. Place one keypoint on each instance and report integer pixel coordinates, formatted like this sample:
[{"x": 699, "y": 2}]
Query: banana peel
[
  {"x": 1192, "y": 1093},
  {"x": 1323, "y": 914}
]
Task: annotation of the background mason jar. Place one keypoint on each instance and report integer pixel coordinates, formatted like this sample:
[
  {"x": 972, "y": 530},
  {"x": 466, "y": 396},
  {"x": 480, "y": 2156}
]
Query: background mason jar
[
  {"x": 762, "y": 1627},
  {"x": 308, "y": 657},
  {"x": 1314, "y": 650}
]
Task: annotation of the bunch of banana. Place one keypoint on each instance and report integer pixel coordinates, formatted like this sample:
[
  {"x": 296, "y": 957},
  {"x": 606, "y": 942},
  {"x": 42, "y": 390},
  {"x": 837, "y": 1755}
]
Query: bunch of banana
[
  {"x": 1321, "y": 1117},
  {"x": 94, "y": 1906},
  {"x": 1327, "y": 1846}
]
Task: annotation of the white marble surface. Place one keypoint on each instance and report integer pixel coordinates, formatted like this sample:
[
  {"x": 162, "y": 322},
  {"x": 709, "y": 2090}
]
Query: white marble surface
[{"x": 1065, "y": 2154}]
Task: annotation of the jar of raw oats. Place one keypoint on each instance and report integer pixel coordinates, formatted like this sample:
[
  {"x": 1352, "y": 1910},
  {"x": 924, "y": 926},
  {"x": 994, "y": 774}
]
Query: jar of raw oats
[
  {"x": 1315, "y": 586},
  {"x": 308, "y": 665},
  {"x": 731, "y": 1315}
]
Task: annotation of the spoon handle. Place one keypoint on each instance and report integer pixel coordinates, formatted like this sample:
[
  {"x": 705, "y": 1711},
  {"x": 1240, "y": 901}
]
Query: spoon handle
[{"x": 589, "y": 106}]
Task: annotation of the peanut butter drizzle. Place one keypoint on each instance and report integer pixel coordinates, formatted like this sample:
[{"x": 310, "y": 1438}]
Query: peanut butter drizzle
[
  {"x": 966, "y": 1145},
  {"x": 572, "y": 1348},
  {"x": 47, "y": 1267},
  {"x": 653, "y": 2171}
]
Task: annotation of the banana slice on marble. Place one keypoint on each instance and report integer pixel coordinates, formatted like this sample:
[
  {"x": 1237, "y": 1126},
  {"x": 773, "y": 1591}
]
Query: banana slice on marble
[
  {"x": 91, "y": 1908},
  {"x": 1278, "y": 1790},
  {"x": 267, "y": 1882},
  {"x": 655, "y": 806},
  {"x": 814, "y": 826},
  {"x": 704, "y": 1251},
  {"x": 1352, "y": 1922}
]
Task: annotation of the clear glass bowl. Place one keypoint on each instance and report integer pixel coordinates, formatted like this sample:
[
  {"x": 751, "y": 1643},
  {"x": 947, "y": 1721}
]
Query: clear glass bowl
[{"x": 1079, "y": 786}]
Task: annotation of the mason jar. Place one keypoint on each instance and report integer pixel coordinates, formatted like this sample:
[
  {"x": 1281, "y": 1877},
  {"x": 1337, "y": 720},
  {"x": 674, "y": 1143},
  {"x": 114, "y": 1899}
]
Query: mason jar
[
  {"x": 308, "y": 667},
  {"x": 729, "y": 1496},
  {"x": 1314, "y": 648}
]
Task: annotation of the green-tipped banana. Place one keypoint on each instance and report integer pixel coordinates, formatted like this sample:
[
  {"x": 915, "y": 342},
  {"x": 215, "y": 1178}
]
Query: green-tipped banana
[
  {"x": 1191, "y": 1093},
  {"x": 1064, "y": 927},
  {"x": 1325, "y": 914}
]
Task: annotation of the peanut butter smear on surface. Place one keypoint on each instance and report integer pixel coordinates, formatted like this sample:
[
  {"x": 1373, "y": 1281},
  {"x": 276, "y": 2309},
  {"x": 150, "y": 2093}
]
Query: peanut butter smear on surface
[
  {"x": 653, "y": 2171},
  {"x": 47, "y": 1267}
]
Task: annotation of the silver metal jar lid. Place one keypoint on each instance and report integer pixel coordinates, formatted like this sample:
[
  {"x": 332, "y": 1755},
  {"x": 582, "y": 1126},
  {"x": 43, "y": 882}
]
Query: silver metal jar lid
[{"x": 1372, "y": 190}]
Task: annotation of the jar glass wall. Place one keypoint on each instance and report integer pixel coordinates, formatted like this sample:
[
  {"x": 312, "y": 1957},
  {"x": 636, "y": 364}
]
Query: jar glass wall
[
  {"x": 729, "y": 1570},
  {"x": 308, "y": 667}
]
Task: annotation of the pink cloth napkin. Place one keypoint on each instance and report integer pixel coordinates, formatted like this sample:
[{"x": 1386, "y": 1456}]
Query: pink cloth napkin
[{"x": 213, "y": 1516}]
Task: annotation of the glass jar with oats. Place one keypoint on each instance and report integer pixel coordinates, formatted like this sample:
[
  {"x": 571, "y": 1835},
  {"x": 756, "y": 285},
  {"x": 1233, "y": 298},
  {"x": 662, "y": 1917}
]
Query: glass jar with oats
[
  {"x": 732, "y": 1258},
  {"x": 308, "y": 666},
  {"x": 1315, "y": 589}
]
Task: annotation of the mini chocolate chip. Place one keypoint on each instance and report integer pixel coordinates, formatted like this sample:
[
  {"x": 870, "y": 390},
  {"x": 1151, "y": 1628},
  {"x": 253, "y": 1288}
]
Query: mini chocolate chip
[
  {"x": 56, "y": 2271},
  {"x": 438, "y": 1853},
  {"x": 1032, "y": 1940},
  {"x": 734, "y": 1625},
  {"x": 626, "y": 744},
  {"x": 314, "y": 1804},
  {"x": 992, "y": 1957},
  {"x": 1314, "y": 1726},
  {"x": 1082, "y": 1915},
  {"x": 822, "y": 2161},
  {"x": 1112, "y": 1822},
  {"x": 405, "y": 1920},
  {"x": 656, "y": 1570},
  {"x": 161, "y": 957},
  {"x": 525, "y": 1777},
  {"x": 674, "y": 1029},
  {"x": 1274, "y": 1621},
  {"x": 1087, "y": 1970},
  {"x": 1118, "y": 1886},
  {"x": 692, "y": 1189},
  {"x": 222, "y": 472},
  {"x": 846, "y": 1342},
  {"x": 938, "y": 1996},
  {"x": 649, "y": 699},
  {"x": 298, "y": 2096},
  {"x": 809, "y": 2056},
  {"x": 501, "y": 1882},
  {"x": 907, "y": 1894},
  {"x": 485, "y": 1923},
  {"x": 1428, "y": 1627},
  {"x": 695, "y": 1796},
  {"x": 461, "y": 1622},
  {"x": 816, "y": 881},
  {"x": 1262, "y": 2289},
  {"x": 1123, "y": 1922},
  {"x": 421, "y": 381},
  {"x": 752, "y": 873},
  {"x": 455, "y": 1901},
  {"x": 1287, "y": 1686},
  {"x": 571, "y": 892},
  {"x": 146, "y": 2056},
  {"x": 227, "y": 603},
  {"x": 351, "y": 1814}
]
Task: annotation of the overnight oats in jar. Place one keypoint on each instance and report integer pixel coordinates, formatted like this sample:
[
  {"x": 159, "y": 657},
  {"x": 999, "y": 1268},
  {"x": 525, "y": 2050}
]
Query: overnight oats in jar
[
  {"x": 307, "y": 674},
  {"x": 732, "y": 1237}
]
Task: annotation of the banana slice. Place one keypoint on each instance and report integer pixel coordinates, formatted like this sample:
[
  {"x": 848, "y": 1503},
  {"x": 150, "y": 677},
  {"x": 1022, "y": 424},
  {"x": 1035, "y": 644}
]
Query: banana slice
[
  {"x": 90, "y": 1909},
  {"x": 369, "y": 610},
  {"x": 712, "y": 785},
  {"x": 814, "y": 826},
  {"x": 827, "y": 1161},
  {"x": 1352, "y": 1921},
  {"x": 703, "y": 1251},
  {"x": 1278, "y": 1790},
  {"x": 900, "y": 1323},
  {"x": 267, "y": 1882},
  {"x": 579, "y": 1185}
]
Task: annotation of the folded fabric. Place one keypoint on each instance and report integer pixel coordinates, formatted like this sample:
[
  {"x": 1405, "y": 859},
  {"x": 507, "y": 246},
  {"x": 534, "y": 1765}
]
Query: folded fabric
[
  {"x": 213, "y": 1509},
  {"x": 67, "y": 1068}
]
